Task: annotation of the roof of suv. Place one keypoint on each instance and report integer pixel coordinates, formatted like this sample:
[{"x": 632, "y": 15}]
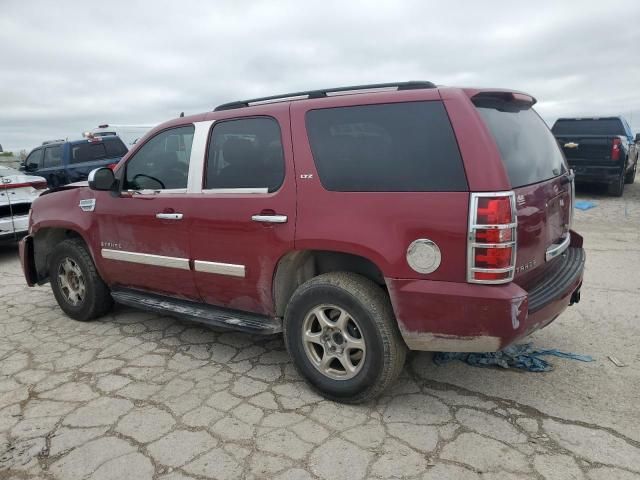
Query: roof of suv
[
  {"x": 325, "y": 92},
  {"x": 51, "y": 143}
]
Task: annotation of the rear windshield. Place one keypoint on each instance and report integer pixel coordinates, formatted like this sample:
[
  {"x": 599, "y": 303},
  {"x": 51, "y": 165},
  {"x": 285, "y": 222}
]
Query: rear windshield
[
  {"x": 589, "y": 126},
  {"x": 529, "y": 151},
  {"x": 396, "y": 147},
  {"x": 92, "y": 151}
]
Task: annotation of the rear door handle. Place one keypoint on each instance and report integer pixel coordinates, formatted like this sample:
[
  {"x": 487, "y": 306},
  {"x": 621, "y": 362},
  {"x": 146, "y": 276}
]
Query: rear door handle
[
  {"x": 169, "y": 216},
  {"x": 269, "y": 218}
]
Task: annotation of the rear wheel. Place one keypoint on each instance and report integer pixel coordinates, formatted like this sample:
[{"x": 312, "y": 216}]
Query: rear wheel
[
  {"x": 342, "y": 336},
  {"x": 616, "y": 189},
  {"x": 631, "y": 176},
  {"x": 79, "y": 290}
]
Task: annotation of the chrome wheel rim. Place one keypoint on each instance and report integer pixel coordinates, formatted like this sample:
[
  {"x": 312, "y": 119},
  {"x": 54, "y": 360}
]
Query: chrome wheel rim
[
  {"x": 333, "y": 342},
  {"x": 71, "y": 282}
]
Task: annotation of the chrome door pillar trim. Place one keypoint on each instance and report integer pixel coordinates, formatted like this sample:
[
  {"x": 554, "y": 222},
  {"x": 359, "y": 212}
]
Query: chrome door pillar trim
[
  {"x": 146, "y": 259},
  {"x": 228, "y": 269},
  {"x": 196, "y": 160}
]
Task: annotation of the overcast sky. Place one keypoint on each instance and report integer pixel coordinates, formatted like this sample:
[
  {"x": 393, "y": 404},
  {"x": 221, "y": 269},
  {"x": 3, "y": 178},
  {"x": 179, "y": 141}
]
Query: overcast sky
[{"x": 68, "y": 66}]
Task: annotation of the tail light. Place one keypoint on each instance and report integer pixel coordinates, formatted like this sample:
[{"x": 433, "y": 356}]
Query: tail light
[
  {"x": 615, "y": 149},
  {"x": 492, "y": 237},
  {"x": 112, "y": 166}
]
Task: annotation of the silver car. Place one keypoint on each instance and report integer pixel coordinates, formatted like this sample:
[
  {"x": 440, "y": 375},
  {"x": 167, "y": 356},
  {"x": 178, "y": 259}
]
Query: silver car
[{"x": 17, "y": 191}]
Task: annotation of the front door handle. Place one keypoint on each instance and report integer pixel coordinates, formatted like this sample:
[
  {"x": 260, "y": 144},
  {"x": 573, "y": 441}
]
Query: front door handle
[
  {"x": 169, "y": 216},
  {"x": 270, "y": 218}
]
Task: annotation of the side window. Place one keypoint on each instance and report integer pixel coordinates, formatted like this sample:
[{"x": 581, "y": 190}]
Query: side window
[
  {"x": 53, "y": 156},
  {"x": 34, "y": 160},
  {"x": 115, "y": 148},
  {"x": 396, "y": 147},
  {"x": 245, "y": 153},
  {"x": 161, "y": 163},
  {"x": 88, "y": 152}
]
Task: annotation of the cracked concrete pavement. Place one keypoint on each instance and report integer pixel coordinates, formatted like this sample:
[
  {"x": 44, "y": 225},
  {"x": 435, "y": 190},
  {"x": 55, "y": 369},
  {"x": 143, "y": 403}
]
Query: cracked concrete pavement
[{"x": 140, "y": 396}]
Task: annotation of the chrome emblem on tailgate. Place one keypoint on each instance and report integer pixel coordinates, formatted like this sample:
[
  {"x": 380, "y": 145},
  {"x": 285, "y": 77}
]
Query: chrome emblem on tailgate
[
  {"x": 571, "y": 145},
  {"x": 526, "y": 266}
]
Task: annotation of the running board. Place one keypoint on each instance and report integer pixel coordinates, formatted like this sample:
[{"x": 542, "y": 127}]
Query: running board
[{"x": 199, "y": 312}]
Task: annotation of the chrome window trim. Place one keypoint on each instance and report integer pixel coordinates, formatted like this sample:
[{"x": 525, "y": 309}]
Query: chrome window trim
[
  {"x": 229, "y": 269},
  {"x": 240, "y": 191},
  {"x": 471, "y": 236},
  {"x": 146, "y": 259},
  {"x": 170, "y": 191},
  {"x": 197, "y": 158}
]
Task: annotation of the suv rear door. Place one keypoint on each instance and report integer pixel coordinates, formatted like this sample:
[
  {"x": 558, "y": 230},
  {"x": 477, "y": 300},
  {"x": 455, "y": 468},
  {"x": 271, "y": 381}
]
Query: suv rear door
[
  {"x": 244, "y": 216},
  {"x": 539, "y": 177}
]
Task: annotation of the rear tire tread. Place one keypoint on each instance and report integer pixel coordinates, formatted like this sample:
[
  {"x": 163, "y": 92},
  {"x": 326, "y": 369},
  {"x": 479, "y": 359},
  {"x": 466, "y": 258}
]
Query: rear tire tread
[{"x": 377, "y": 303}]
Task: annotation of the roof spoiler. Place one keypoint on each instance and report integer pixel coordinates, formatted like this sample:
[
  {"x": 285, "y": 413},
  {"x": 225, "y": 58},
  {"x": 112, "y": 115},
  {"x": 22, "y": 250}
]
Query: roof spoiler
[{"x": 504, "y": 101}]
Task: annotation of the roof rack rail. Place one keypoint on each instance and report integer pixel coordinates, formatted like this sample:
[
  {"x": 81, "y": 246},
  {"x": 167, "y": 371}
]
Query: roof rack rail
[{"x": 321, "y": 93}]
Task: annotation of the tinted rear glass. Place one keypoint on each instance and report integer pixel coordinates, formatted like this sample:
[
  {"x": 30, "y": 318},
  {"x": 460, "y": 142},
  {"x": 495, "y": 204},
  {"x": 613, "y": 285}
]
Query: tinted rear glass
[
  {"x": 92, "y": 151},
  {"x": 397, "y": 147},
  {"x": 115, "y": 148},
  {"x": 528, "y": 149},
  {"x": 600, "y": 126}
]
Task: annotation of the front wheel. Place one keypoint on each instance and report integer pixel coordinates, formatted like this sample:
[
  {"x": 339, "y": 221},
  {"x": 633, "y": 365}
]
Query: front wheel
[
  {"x": 342, "y": 336},
  {"x": 76, "y": 284}
]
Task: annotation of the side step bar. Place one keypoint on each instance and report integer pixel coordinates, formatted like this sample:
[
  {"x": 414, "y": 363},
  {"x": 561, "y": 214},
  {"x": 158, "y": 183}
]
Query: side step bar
[{"x": 199, "y": 312}]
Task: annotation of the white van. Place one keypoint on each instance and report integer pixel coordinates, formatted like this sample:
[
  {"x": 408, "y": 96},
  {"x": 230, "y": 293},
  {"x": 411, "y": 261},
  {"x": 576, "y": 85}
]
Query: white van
[{"x": 129, "y": 134}]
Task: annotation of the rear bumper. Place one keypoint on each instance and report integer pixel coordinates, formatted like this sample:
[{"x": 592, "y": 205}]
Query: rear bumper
[
  {"x": 463, "y": 317},
  {"x": 597, "y": 174}
]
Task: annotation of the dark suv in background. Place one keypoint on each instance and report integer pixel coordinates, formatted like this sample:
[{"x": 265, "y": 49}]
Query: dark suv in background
[
  {"x": 600, "y": 150},
  {"x": 359, "y": 221},
  {"x": 62, "y": 162}
]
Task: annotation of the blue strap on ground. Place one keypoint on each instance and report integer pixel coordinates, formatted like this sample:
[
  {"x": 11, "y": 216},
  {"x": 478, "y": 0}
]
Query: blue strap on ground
[
  {"x": 523, "y": 357},
  {"x": 584, "y": 205}
]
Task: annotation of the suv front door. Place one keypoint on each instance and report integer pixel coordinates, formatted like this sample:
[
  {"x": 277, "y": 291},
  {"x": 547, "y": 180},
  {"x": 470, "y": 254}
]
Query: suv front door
[
  {"x": 144, "y": 231},
  {"x": 244, "y": 219}
]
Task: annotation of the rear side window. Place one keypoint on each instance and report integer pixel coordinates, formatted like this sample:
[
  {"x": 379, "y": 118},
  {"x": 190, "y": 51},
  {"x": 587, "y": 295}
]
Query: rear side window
[
  {"x": 589, "y": 126},
  {"x": 245, "y": 153},
  {"x": 529, "y": 150},
  {"x": 88, "y": 152},
  {"x": 115, "y": 148},
  {"x": 398, "y": 147},
  {"x": 53, "y": 156}
]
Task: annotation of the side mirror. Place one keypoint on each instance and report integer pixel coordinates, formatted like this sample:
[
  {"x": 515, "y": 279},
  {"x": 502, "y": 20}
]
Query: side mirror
[
  {"x": 637, "y": 140},
  {"x": 101, "y": 179},
  {"x": 31, "y": 167}
]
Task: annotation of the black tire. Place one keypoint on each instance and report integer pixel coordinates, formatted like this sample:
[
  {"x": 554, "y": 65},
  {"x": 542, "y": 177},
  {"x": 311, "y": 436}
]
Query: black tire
[
  {"x": 617, "y": 189},
  {"x": 96, "y": 299},
  {"x": 369, "y": 305},
  {"x": 631, "y": 176}
]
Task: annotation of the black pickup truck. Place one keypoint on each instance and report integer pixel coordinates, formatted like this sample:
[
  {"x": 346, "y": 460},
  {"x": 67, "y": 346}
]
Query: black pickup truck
[{"x": 599, "y": 150}]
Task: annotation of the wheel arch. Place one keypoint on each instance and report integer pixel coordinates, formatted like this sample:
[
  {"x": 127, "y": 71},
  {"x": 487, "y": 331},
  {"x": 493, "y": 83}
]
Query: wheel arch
[
  {"x": 296, "y": 267},
  {"x": 44, "y": 242}
]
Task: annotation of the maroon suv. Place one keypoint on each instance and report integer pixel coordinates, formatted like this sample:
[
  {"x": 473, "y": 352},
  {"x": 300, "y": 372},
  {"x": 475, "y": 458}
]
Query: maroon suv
[{"x": 359, "y": 221}]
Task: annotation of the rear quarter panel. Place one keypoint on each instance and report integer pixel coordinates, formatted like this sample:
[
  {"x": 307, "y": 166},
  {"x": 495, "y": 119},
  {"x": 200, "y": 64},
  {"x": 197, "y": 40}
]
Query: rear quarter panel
[{"x": 379, "y": 226}]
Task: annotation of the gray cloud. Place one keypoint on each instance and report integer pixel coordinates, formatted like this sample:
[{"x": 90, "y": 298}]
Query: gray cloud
[{"x": 68, "y": 66}]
